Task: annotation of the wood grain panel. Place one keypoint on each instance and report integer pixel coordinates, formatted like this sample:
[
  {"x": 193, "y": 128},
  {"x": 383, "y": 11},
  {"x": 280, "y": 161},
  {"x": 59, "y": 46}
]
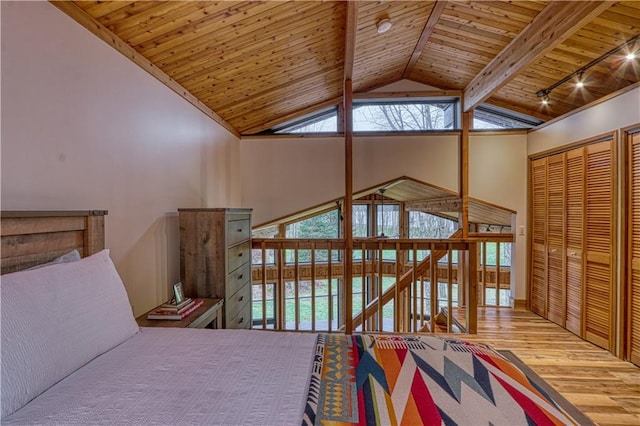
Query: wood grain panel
[
  {"x": 633, "y": 257},
  {"x": 599, "y": 321},
  {"x": 555, "y": 238},
  {"x": 609, "y": 29},
  {"x": 538, "y": 280},
  {"x": 574, "y": 240},
  {"x": 235, "y": 59},
  {"x": 31, "y": 238}
]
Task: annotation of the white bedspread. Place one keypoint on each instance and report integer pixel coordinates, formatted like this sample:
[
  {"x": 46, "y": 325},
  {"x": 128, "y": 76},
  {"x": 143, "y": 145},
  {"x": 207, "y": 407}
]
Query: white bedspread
[{"x": 165, "y": 376}]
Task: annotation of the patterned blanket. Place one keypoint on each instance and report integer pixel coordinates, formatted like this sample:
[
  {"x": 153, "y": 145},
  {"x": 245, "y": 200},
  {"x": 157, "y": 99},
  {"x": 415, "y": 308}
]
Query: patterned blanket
[{"x": 394, "y": 379}]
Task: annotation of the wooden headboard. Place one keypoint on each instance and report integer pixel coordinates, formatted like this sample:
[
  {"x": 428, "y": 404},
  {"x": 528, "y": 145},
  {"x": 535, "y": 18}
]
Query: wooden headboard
[{"x": 30, "y": 238}]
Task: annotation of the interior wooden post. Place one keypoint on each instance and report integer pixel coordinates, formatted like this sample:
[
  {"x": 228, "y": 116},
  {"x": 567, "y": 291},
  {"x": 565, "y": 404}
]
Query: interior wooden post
[
  {"x": 349, "y": 53},
  {"x": 348, "y": 205},
  {"x": 471, "y": 288},
  {"x": 463, "y": 170}
]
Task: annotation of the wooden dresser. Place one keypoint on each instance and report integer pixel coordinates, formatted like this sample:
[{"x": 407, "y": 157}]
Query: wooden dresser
[{"x": 215, "y": 259}]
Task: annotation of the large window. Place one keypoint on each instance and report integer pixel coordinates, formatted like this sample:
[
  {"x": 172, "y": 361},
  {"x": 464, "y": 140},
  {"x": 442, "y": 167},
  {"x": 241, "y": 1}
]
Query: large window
[
  {"x": 404, "y": 116},
  {"x": 325, "y": 121},
  {"x": 325, "y": 225},
  {"x": 493, "y": 117}
]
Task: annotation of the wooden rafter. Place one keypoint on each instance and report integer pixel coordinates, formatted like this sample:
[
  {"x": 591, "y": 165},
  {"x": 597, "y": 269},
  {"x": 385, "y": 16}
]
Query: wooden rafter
[
  {"x": 106, "y": 35},
  {"x": 426, "y": 33},
  {"x": 554, "y": 24}
]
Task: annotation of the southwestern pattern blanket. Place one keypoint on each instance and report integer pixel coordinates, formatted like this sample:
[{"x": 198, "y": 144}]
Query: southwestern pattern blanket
[{"x": 395, "y": 379}]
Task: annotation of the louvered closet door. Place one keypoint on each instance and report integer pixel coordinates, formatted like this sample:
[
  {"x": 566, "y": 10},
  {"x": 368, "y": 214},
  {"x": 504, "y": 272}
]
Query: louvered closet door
[
  {"x": 555, "y": 238},
  {"x": 538, "y": 282},
  {"x": 634, "y": 249},
  {"x": 574, "y": 239},
  {"x": 599, "y": 245}
]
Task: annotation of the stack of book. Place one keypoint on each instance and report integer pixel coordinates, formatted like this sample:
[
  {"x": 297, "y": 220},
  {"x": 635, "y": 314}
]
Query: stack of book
[{"x": 173, "y": 311}]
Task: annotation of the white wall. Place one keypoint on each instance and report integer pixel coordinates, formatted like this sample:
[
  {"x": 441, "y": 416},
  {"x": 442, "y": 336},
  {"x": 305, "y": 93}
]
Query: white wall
[
  {"x": 616, "y": 113},
  {"x": 498, "y": 174},
  {"x": 85, "y": 128},
  {"x": 286, "y": 175}
]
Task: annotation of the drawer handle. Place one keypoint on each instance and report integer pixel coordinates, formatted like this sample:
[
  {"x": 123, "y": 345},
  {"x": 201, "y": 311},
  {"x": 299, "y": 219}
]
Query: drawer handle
[
  {"x": 240, "y": 254},
  {"x": 241, "y": 298},
  {"x": 239, "y": 229},
  {"x": 240, "y": 276},
  {"x": 241, "y": 320}
]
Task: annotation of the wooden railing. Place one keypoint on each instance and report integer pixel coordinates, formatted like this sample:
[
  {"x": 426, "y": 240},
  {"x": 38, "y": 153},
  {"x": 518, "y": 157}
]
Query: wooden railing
[{"x": 301, "y": 284}]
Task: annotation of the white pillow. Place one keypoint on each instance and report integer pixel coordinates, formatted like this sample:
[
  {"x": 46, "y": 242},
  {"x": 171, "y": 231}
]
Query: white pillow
[{"x": 55, "y": 320}]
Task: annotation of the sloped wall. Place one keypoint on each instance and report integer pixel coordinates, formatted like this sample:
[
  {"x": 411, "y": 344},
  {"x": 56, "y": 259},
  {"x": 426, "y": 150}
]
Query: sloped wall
[{"x": 85, "y": 128}]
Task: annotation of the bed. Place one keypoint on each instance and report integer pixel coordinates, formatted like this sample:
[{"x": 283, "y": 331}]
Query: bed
[{"x": 72, "y": 353}]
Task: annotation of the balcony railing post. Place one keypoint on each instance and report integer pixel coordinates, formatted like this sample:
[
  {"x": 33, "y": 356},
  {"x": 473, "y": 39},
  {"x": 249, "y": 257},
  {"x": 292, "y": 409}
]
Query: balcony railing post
[
  {"x": 472, "y": 289},
  {"x": 497, "y": 273}
]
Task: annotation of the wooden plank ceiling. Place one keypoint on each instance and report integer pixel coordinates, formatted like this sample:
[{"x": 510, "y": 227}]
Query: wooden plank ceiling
[{"x": 250, "y": 65}]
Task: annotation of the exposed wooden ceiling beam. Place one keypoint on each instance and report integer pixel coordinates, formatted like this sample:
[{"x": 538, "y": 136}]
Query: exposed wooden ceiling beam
[
  {"x": 350, "y": 39},
  {"x": 554, "y": 24},
  {"x": 84, "y": 19},
  {"x": 426, "y": 33},
  {"x": 413, "y": 95}
]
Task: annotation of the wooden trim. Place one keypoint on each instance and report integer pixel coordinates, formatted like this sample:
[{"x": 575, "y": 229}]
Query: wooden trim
[
  {"x": 626, "y": 278},
  {"x": 429, "y": 26},
  {"x": 554, "y": 24},
  {"x": 587, "y": 106},
  {"x": 563, "y": 148},
  {"x": 616, "y": 332},
  {"x": 51, "y": 213},
  {"x": 519, "y": 304},
  {"x": 498, "y": 132},
  {"x": 411, "y": 95},
  {"x": 102, "y": 32}
]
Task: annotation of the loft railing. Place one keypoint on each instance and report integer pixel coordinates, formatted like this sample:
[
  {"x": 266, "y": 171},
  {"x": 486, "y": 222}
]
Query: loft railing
[{"x": 298, "y": 284}]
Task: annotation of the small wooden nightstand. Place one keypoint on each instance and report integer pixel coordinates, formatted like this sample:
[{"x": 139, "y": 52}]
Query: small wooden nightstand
[{"x": 208, "y": 315}]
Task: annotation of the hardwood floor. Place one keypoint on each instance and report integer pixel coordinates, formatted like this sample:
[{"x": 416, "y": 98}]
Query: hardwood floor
[{"x": 602, "y": 386}]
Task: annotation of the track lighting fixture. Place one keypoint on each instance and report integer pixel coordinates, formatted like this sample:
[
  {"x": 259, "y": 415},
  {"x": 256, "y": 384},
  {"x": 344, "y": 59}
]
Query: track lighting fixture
[
  {"x": 544, "y": 93},
  {"x": 580, "y": 82},
  {"x": 544, "y": 96}
]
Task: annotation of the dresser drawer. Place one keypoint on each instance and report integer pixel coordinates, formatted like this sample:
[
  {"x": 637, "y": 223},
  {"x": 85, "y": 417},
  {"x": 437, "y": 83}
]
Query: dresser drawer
[
  {"x": 238, "y": 231},
  {"x": 238, "y": 255},
  {"x": 236, "y": 301},
  {"x": 242, "y": 320},
  {"x": 238, "y": 278}
]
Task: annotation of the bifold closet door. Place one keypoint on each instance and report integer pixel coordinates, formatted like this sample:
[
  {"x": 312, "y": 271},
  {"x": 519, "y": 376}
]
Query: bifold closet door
[
  {"x": 555, "y": 238},
  {"x": 600, "y": 219},
  {"x": 538, "y": 281},
  {"x": 633, "y": 268},
  {"x": 574, "y": 239}
]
